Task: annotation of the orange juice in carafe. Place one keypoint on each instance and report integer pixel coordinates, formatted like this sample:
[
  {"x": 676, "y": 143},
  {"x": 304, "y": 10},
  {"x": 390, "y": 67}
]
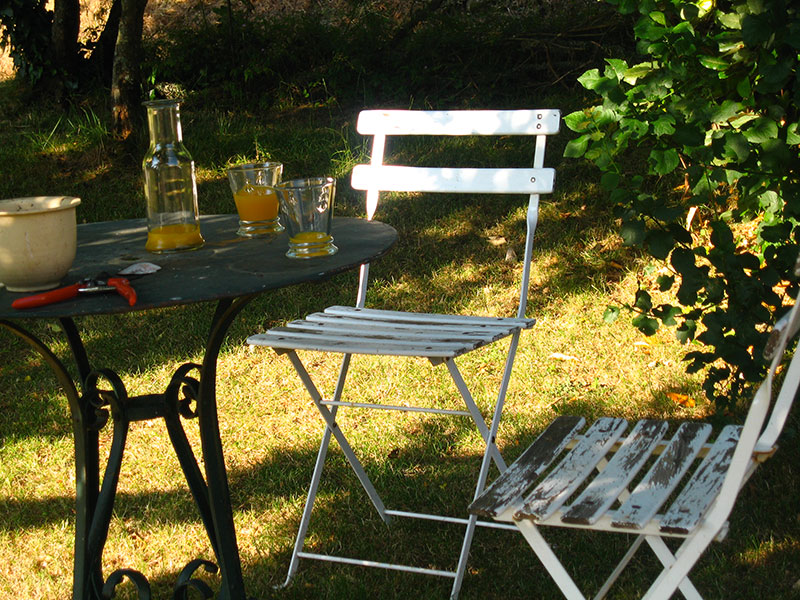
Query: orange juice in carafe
[{"x": 166, "y": 238}]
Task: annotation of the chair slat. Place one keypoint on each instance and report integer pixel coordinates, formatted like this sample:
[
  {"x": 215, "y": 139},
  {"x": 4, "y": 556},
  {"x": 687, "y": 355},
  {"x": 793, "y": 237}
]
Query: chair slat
[
  {"x": 408, "y": 333},
  {"x": 523, "y": 472},
  {"x": 692, "y": 503},
  {"x": 327, "y": 320},
  {"x": 463, "y": 122},
  {"x": 621, "y": 469},
  {"x": 287, "y": 337},
  {"x": 426, "y": 318},
  {"x": 570, "y": 473},
  {"x": 395, "y": 178},
  {"x": 663, "y": 476}
]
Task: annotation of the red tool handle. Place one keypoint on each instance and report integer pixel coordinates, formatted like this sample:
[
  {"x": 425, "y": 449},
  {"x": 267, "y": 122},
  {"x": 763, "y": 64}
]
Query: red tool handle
[
  {"x": 124, "y": 289},
  {"x": 51, "y": 297}
]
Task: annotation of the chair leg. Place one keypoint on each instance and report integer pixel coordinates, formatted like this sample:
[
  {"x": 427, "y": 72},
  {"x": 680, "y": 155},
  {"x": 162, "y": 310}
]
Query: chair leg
[
  {"x": 676, "y": 567},
  {"x": 491, "y": 453},
  {"x": 299, "y": 541},
  {"x": 330, "y": 420},
  {"x": 549, "y": 560},
  {"x": 477, "y": 416}
]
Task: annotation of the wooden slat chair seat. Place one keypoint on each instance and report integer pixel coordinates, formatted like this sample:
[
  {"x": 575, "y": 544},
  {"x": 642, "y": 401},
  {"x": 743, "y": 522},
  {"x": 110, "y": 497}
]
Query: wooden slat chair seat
[
  {"x": 687, "y": 481},
  {"x": 441, "y": 339}
]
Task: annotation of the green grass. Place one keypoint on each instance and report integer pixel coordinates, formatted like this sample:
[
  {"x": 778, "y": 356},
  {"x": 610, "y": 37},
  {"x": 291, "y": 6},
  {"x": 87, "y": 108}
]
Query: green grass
[{"x": 450, "y": 257}]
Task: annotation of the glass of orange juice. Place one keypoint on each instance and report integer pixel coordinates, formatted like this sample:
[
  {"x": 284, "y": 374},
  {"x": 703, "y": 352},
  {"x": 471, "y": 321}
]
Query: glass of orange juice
[
  {"x": 306, "y": 209},
  {"x": 253, "y": 190}
]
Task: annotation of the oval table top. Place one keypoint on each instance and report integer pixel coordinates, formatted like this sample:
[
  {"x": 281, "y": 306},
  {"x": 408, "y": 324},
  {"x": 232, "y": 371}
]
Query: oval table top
[{"x": 227, "y": 266}]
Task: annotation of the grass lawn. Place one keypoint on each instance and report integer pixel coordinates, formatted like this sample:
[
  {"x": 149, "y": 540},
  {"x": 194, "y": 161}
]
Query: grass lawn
[{"x": 571, "y": 362}]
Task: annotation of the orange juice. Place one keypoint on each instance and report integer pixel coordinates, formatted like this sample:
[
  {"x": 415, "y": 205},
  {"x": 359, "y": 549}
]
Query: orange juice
[
  {"x": 256, "y": 203},
  {"x": 310, "y": 237},
  {"x": 182, "y": 236},
  {"x": 309, "y": 244}
]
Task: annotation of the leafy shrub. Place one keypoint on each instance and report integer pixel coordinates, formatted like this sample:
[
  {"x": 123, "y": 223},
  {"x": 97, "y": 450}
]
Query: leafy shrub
[
  {"x": 366, "y": 55},
  {"x": 706, "y": 121},
  {"x": 25, "y": 30}
]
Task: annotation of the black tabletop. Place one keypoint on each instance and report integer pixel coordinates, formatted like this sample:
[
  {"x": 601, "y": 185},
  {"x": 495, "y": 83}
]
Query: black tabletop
[{"x": 227, "y": 266}]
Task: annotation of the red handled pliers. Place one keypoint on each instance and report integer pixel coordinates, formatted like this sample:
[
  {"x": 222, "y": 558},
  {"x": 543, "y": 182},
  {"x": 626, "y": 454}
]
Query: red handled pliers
[{"x": 101, "y": 283}]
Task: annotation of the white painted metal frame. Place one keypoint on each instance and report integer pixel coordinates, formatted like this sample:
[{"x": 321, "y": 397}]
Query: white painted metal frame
[
  {"x": 439, "y": 338},
  {"x": 532, "y": 495}
]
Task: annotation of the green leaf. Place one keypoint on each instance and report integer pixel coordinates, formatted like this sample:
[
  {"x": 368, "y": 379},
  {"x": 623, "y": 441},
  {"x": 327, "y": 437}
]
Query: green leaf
[
  {"x": 761, "y": 130},
  {"x": 609, "y": 181},
  {"x": 667, "y": 314},
  {"x": 645, "y": 324},
  {"x": 590, "y": 79},
  {"x": 726, "y": 111},
  {"x": 611, "y": 313},
  {"x": 715, "y": 63},
  {"x": 730, "y": 20},
  {"x": 635, "y": 126},
  {"x": 664, "y": 125},
  {"x": 689, "y": 135},
  {"x": 643, "y": 301},
  {"x": 722, "y": 237},
  {"x": 579, "y": 121},
  {"x": 685, "y": 331},
  {"x": 756, "y": 29},
  {"x": 658, "y": 17},
  {"x": 770, "y": 202},
  {"x": 659, "y": 243},
  {"x": 617, "y": 67},
  {"x": 665, "y": 282},
  {"x": 736, "y": 146},
  {"x": 577, "y": 147},
  {"x": 636, "y": 72},
  {"x": 632, "y": 233},
  {"x": 664, "y": 161},
  {"x": 792, "y": 134}
]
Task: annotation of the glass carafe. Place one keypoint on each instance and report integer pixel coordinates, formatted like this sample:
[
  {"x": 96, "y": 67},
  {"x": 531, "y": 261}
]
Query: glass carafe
[{"x": 169, "y": 183}]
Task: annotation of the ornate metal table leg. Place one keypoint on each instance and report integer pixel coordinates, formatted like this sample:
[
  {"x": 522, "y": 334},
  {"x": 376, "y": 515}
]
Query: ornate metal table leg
[
  {"x": 86, "y": 421},
  {"x": 90, "y": 409},
  {"x": 216, "y": 476}
]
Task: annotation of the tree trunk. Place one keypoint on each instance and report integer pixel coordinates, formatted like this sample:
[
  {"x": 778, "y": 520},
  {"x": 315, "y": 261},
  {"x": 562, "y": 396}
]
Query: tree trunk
[
  {"x": 64, "y": 42},
  {"x": 126, "y": 88},
  {"x": 102, "y": 59}
]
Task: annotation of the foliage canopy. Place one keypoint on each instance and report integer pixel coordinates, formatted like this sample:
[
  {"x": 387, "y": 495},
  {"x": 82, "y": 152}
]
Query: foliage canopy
[{"x": 705, "y": 125}]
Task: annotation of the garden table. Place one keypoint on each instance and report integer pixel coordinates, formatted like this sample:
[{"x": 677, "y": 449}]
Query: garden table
[{"x": 228, "y": 270}]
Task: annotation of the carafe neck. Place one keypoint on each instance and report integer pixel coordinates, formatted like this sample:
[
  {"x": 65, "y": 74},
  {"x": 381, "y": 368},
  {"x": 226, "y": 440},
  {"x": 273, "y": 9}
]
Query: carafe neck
[{"x": 164, "y": 121}]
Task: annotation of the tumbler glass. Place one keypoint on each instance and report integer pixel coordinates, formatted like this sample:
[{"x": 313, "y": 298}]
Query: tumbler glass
[
  {"x": 255, "y": 198},
  {"x": 306, "y": 210}
]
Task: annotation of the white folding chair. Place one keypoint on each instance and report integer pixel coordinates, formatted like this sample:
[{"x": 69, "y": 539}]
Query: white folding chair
[
  {"x": 532, "y": 495},
  {"x": 438, "y": 338}
]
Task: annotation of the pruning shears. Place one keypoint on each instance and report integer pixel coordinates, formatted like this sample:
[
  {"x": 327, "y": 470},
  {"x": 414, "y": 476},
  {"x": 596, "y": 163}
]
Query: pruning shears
[{"x": 91, "y": 285}]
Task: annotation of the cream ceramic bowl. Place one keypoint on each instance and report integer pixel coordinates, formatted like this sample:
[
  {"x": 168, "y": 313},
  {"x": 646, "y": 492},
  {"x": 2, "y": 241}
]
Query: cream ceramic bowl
[{"x": 38, "y": 239}]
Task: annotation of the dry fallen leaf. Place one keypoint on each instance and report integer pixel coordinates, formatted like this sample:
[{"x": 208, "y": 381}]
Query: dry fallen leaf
[
  {"x": 681, "y": 399},
  {"x": 559, "y": 356}
]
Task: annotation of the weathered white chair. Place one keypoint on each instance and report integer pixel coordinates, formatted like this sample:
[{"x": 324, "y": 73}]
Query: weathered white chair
[
  {"x": 566, "y": 496},
  {"x": 438, "y": 338}
]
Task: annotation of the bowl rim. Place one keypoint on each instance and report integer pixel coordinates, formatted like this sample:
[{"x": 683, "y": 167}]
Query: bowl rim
[{"x": 31, "y": 205}]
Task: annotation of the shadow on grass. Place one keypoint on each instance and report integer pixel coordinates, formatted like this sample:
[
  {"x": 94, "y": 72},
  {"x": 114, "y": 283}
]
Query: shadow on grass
[{"x": 761, "y": 546}]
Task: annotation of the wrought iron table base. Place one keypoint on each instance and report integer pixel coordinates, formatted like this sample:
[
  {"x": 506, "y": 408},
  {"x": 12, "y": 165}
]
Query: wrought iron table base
[{"x": 190, "y": 394}]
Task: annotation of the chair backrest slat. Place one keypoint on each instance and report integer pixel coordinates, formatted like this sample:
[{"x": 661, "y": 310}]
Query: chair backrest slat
[
  {"x": 460, "y": 122},
  {"x": 377, "y": 176},
  {"x": 391, "y": 178}
]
